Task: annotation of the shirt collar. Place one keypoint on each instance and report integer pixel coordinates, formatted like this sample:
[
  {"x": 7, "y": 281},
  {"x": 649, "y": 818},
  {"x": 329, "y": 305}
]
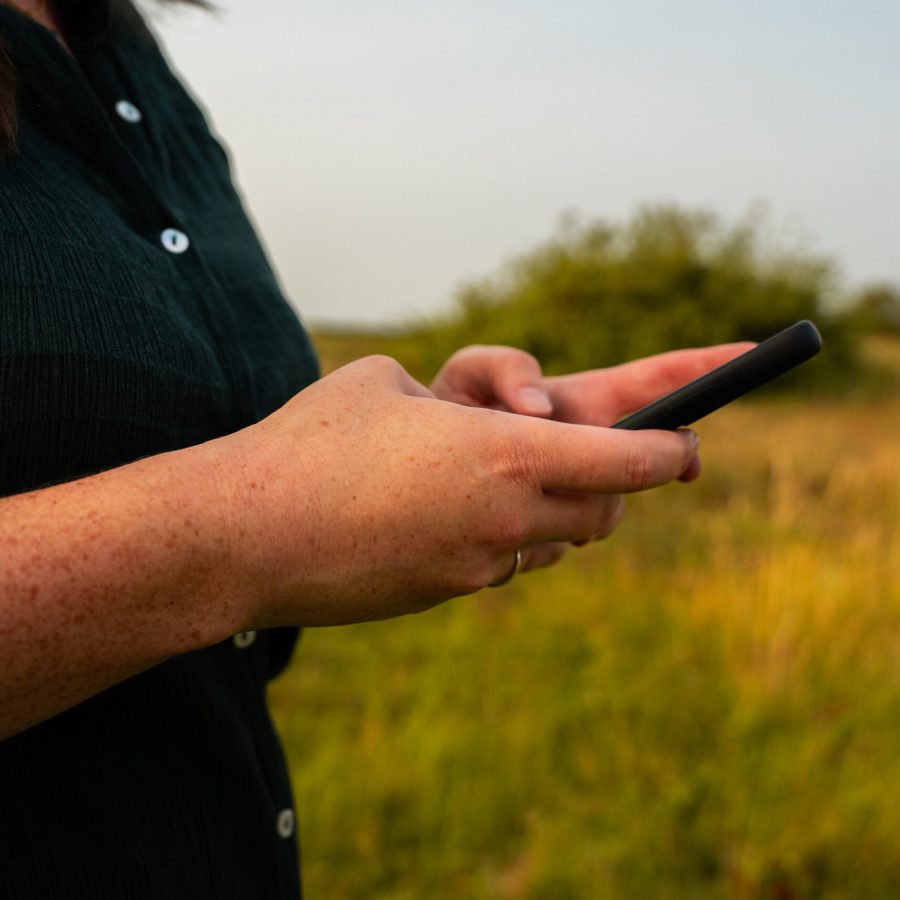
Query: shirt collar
[{"x": 85, "y": 22}]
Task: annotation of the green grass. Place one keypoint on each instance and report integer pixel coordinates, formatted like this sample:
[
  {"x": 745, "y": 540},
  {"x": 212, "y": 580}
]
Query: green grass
[{"x": 707, "y": 705}]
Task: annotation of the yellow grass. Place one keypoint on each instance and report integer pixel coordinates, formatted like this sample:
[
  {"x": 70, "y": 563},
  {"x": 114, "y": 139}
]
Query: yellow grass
[{"x": 707, "y": 705}]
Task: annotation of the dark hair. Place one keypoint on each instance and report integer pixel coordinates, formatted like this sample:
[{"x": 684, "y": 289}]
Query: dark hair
[{"x": 8, "y": 81}]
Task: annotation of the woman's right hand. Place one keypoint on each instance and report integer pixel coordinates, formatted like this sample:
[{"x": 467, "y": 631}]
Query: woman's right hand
[{"x": 364, "y": 497}]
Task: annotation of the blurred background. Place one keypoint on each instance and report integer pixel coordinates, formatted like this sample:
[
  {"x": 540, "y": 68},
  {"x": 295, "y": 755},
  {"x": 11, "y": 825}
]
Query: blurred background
[{"x": 707, "y": 704}]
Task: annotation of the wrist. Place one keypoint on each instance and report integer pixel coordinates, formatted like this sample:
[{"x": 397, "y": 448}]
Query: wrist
[
  {"x": 258, "y": 527},
  {"x": 187, "y": 513},
  {"x": 207, "y": 473}
]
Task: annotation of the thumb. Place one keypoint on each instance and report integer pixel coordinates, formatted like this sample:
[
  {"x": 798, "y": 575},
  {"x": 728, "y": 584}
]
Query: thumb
[{"x": 519, "y": 384}]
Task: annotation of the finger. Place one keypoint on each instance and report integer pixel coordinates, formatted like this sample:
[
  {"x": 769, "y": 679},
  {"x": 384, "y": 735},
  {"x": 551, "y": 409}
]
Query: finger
[
  {"x": 536, "y": 556},
  {"x": 518, "y": 383},
  {"x": 501, "y": 376},
  {"x": 635, "y": 384},
  {"x": 587, "y": 459},
  {"x": 509, "y": 567},
  {"x": 601, "y": 535},
  {"x": 692, "y": 472},
  {"x": 540, "y": 556},
  {"x": 569, "y": 518}
]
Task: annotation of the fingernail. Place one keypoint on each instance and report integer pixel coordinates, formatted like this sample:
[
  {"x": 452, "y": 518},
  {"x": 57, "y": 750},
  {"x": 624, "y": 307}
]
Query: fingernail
[
  {"x": 692, "y": 436},
  {"x": 534, "y": 400}
]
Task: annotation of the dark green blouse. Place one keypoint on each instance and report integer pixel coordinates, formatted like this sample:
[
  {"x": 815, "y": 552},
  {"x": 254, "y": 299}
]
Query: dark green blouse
[{"x": 138, "y": 314}]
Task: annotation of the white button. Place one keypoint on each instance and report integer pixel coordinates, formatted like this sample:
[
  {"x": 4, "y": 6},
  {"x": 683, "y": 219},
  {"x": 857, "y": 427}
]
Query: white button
[
  {"x": 244, "y": 639},
  {"x": 129, "y": 112},
  {"x": 175, "y": 241},
  {"x": 285, "y": 823}
]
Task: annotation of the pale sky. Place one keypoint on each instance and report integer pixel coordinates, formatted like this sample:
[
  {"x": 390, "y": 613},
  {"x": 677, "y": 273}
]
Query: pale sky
[{"x": 391, "y": 150}]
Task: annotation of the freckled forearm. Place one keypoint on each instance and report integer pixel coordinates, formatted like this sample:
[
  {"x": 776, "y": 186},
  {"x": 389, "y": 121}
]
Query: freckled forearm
[{"x": 104, "y": 577}]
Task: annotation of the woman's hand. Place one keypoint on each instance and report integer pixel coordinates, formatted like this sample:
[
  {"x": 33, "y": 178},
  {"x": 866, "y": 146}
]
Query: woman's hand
[
  {"x": 505, "y": 378},
  {"x": 364, "y": 497},
  {"x": 509, "y": 379}
]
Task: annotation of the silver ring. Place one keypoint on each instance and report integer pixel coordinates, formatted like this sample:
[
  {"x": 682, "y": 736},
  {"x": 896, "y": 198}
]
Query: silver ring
[{"x": 517, "y": 562}]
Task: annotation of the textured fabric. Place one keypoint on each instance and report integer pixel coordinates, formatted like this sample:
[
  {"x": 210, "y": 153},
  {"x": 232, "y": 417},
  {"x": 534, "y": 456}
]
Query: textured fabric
[{"x": 113, "y": 348}]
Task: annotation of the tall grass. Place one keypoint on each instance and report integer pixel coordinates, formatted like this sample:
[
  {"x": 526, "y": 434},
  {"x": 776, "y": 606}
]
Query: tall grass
[{"x": 707, "y": 705}]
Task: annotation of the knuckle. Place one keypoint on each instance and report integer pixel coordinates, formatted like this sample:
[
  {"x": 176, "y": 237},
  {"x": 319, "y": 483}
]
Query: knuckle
[
  {"x": 517, "y": 457},
  {"x": 639, "y": 469},
  {"x": 512, "y": 353},
  {"x": 379, "y": 362},
  {"x": 523, "y": 466},
  {"x": 526, "y": 358},
  {"x": 494, "y": 350},
  {"x": 509, "y": 485},
  {"x": 511, "y": 532},
  {"x": 520, "y": 362},
  {"x": 378, "y": 366},
  {"x": 462, "y": 355},
  {"x": 503, "y": 529}
]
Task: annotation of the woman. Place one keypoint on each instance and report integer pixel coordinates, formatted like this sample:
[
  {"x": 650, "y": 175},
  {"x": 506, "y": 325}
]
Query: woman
[{"x": 179, "y": 496}]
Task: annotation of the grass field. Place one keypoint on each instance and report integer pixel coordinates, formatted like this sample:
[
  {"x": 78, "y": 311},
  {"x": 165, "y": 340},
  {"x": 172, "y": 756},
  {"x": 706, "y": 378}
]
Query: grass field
[{"x": 707, "y": 705}]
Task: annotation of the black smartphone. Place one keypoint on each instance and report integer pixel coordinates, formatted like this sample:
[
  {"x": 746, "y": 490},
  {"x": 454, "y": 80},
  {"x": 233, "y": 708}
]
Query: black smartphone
[{"x": 773, "y": 357}]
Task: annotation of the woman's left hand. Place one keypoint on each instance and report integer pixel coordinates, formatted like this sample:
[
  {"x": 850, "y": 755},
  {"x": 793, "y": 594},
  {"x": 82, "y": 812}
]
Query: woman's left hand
[{"x": 509, "y": 379}]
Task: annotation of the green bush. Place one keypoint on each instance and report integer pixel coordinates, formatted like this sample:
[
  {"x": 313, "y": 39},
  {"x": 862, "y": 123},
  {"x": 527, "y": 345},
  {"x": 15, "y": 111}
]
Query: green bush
[
  {"x": 598, "y": 294},
  {"x": 878, "y": 308}
]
